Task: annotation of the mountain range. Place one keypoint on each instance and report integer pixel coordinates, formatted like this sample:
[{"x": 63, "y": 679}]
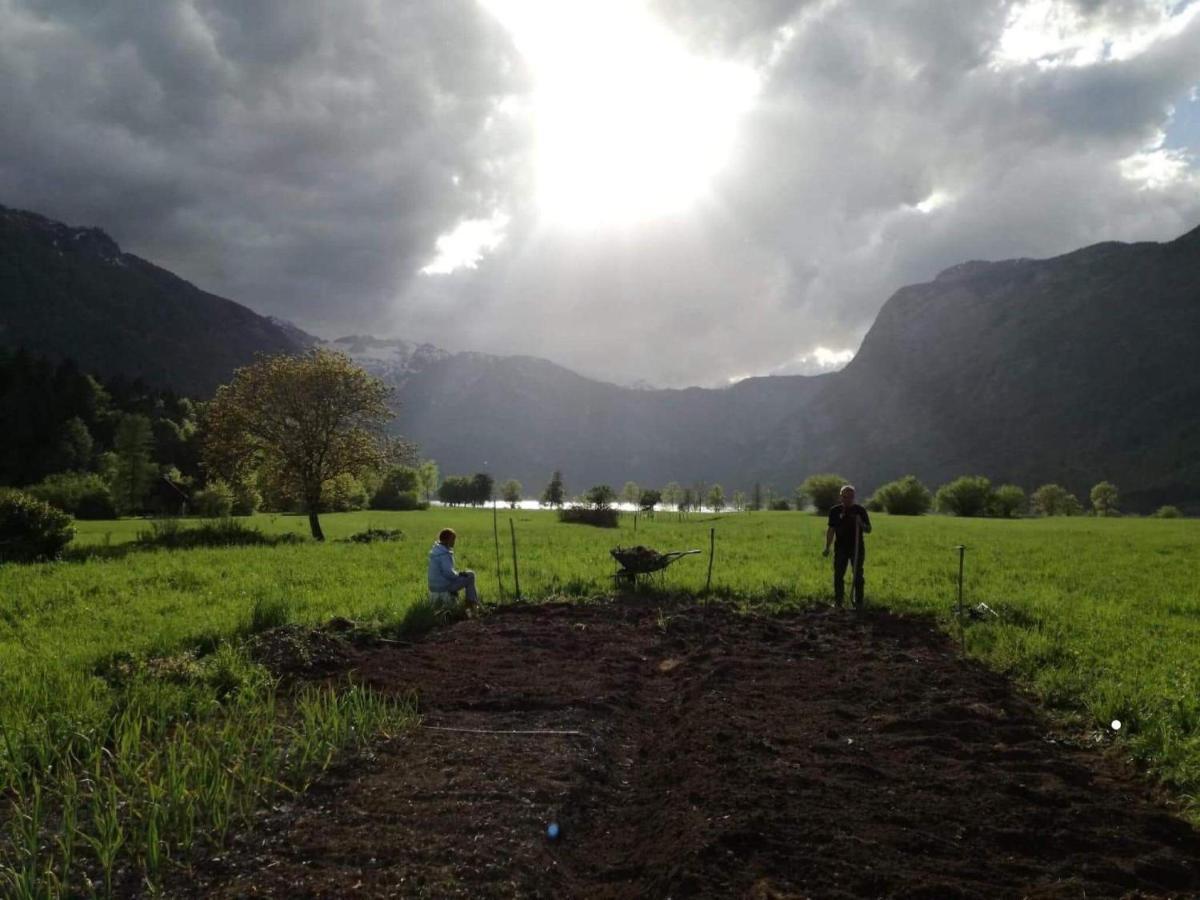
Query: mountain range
[
  {"x": 1072, "y": 369},
  {"x": 71, "y": 292}
]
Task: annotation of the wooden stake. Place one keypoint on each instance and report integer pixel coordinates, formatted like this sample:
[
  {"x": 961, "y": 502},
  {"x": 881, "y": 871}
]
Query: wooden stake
[
  {"x": 712, "y": 549},
  {"x": 496, "y": 535},
  {"x": 516, "y": 571},
  {"x": 962, "y": 635}
]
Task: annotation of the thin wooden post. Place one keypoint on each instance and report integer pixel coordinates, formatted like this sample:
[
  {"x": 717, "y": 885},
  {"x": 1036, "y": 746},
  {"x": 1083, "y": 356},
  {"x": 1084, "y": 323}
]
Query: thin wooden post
[
  {"x": 712, "y": 549},
  {"x": 516, "y": 571},
  {"x": 962, "y": 634},
  {"x": 496, "y": 535}
]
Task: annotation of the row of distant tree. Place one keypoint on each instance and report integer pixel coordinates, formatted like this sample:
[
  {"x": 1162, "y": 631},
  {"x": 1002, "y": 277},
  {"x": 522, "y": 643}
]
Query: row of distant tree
[
  {"x": 969, "y": 495},
  {"x": 307, "y": 434}
]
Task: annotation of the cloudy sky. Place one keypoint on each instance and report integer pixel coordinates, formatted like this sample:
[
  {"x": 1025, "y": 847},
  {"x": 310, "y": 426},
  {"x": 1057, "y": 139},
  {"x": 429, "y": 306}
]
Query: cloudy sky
[{"x": 676, "y": 191}]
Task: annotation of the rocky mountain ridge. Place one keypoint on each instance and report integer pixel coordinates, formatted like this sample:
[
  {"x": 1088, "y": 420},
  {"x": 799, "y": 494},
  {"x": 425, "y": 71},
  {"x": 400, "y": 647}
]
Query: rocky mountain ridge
[
  {"x": 1073, "y": 369},
  {"x": 72, "y": 292}
]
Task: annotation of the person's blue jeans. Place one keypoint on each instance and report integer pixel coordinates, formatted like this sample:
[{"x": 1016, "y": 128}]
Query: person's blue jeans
[{"x": 464, "y": 580}]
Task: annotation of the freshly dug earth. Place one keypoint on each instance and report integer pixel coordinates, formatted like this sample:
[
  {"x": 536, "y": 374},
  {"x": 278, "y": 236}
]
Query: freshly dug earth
[{"x": 818, "y": 754}]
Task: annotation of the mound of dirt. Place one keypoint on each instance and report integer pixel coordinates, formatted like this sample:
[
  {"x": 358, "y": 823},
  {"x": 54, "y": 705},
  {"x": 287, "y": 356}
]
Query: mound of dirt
[
  {"x": 685, "y": 752},
  {"x": 293, "y": 651}
]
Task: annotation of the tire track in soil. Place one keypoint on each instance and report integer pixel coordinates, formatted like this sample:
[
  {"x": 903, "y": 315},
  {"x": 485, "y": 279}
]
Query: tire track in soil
[{"x": 807, "y": 755}]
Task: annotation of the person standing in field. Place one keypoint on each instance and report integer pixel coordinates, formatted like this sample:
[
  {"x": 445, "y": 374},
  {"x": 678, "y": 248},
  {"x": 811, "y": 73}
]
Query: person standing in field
[
  {"x": 848, "y": 522},
  {"x": 443, "y": 577}
]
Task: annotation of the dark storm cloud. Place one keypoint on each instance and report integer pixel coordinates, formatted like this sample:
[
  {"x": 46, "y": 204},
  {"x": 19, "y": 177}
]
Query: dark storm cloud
[
  {"x": 303, "y": 158},
  {"x": 299, "y": 157}
]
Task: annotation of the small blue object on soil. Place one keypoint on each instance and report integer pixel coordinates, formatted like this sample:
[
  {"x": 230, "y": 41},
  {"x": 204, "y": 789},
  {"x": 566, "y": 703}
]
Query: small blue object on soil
[{"x": 552, "y": 830}]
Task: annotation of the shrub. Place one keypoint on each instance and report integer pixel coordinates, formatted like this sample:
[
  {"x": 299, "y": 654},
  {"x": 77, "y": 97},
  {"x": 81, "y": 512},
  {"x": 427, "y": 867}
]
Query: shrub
[
  {"x": 1055, "y": 500},
  {"x": 30, "y": 528},
  {"x": 214, "y": 500},
  {"x": 602, "y": 518},
  {"x": 374, "y": 535},
  {"x": 903, "y": 497},
  {"x": 1168, "y": 512},
  {"x": 398, "y": 490},
  {"x": 343, "y": 493},
  {"x": 970, "y": 495},
  {"x": 84, "y": 495},
  {"x": 171, "y": 534},
  {"x": 246, "y": 499},
  {"x": 1008, "y": 501},
  {"x": 822, "y": 490},
  {"x": 780, "y": 505}
]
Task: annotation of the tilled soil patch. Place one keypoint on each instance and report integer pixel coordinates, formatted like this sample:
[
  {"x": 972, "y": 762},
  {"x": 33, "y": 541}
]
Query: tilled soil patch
[{"x": 818, "y": 754}]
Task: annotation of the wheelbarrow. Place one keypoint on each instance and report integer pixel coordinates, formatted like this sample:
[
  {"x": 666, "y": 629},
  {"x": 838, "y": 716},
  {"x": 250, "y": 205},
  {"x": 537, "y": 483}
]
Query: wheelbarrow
[{"x": 638, "y": 561}]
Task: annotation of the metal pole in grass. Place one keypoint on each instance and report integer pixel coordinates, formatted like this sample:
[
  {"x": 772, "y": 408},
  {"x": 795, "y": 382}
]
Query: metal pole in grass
[
  {"x": 516, "y": 571},
  {"x": 962, "y": 634},
  {"x": 712, "y": 548}
]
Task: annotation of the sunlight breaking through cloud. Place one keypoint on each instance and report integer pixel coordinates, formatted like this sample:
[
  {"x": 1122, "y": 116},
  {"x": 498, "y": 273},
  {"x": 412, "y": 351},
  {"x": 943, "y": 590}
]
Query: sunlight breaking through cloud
[
  {"x": 467, "y": 244},
  {"x": 1053, "y": 33}
]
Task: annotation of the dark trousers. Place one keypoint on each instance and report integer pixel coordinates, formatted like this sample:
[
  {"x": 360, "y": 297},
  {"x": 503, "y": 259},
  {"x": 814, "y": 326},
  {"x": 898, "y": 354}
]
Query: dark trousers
[{"x": 842, "y": 557}]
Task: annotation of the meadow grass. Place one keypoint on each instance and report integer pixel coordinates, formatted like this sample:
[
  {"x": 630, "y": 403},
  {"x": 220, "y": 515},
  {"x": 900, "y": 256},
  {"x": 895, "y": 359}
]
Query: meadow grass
[{"x": 1099, "y": 617}]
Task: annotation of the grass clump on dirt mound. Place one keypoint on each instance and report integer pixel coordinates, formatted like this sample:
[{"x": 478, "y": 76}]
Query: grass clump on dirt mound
[
  {"x": 375, "y": 535},
  {"x": 172, "y": 534}
]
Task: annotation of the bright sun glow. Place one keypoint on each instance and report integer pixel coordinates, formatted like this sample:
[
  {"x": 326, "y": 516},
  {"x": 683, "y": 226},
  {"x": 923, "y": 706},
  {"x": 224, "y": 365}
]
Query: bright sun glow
[{"x": 629, "y": 126}]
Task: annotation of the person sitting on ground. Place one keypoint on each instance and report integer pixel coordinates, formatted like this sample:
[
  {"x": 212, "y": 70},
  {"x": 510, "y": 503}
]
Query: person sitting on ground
[{"x": 443, "y": 577}]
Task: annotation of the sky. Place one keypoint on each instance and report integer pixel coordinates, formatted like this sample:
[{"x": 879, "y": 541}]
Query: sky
[{"x": 673, "y": 192}]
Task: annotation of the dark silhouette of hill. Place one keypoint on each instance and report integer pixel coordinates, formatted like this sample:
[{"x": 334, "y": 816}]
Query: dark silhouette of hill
[{"x": 71, "y": 293}]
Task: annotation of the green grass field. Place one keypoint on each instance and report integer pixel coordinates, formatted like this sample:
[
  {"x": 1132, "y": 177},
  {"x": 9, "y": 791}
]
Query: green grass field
[{"x": 1100, "y": 617}]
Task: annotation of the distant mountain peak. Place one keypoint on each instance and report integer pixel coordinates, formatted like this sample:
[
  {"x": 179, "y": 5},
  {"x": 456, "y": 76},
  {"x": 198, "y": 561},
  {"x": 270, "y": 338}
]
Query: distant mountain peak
[
  {"x": 388, "y": 357},
  {"x": 85, "y": 241},
  {"x": 974, "y": 268},
  {"x": 70, "y": 292},
  {"x": 294, "y": 331}
]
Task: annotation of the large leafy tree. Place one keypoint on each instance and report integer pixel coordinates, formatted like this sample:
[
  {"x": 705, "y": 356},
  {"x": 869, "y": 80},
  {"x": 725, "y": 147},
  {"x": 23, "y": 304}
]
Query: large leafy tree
[
  {"x": 511, "y": 492},
  {"x": 1105, "y": 499},
  {"x": 1055, "y": 500},
  {"x": 306, "y": 419}
]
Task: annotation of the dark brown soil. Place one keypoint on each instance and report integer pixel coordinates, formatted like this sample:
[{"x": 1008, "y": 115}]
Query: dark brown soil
[{"x": 810, "y": 755}]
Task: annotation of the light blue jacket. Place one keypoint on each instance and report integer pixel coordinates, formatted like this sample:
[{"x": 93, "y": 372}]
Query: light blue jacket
[{"x": 441, "y": 567}]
